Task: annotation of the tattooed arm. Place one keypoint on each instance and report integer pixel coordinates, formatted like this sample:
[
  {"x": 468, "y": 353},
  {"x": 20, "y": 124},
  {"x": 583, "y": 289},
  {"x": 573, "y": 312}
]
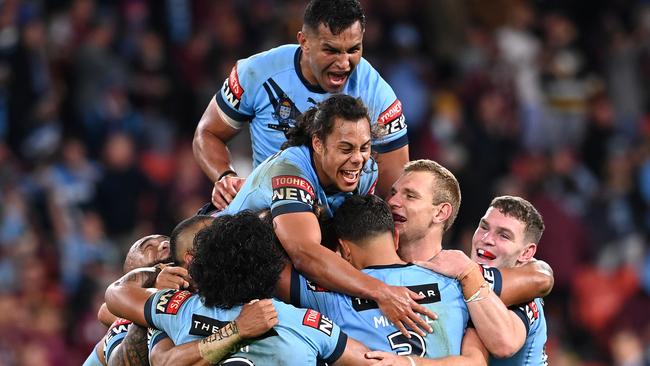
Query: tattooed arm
[
  {"x": 133, "y": 350},
  {"x": 126, "y": 297}
]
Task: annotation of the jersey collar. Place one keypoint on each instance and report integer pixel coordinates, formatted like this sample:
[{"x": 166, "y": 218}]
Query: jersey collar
[{"x": 296, "y": 64}]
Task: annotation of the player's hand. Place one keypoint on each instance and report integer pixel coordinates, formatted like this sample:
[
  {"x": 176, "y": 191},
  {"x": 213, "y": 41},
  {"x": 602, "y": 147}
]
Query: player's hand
[
  {"x": 387, "y": 359},
  {"x": 256, "y": 318},
  {"x": 399, "y": 306},
  {"x": 450, "y": 263},
  {"x": 172, "y": 277},
  {"x": 225, "y": 190}
]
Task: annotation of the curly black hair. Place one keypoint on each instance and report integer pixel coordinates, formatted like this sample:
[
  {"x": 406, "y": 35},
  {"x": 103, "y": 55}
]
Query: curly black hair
[
  {"x": 363, "y": 217},
  {"x": 337, "y": 15},
  {"x": 319, "y": 120},
  {"x": 237, "y": 258}
]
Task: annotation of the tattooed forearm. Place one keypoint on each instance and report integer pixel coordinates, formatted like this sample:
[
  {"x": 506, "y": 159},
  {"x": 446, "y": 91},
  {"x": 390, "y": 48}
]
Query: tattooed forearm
[
  {"x": 219, "y": 344},
  {"x": 133, "y": 350},
  {"x": 141, "y": 277}
]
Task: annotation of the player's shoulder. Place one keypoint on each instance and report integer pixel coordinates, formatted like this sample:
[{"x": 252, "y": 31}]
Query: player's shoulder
[{"x": 265, "y": 64}]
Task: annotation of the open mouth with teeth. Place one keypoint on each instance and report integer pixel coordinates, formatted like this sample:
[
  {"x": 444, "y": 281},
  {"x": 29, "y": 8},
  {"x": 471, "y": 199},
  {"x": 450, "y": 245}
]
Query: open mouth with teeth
[
  {"x": 337, "y": 79},
  {"x": 484, "y": 254},
  {"x": 350, "y": 177}
]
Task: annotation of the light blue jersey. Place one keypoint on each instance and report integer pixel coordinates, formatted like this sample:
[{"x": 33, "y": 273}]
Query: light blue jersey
[
  {"x": 93, "y": 359},
  {"x": 301, "y": 337},
  {"x": 287, "y": 182},
  {"x": 269, "y": 91},
  {"x": 533, "y": 351},
  {"x": 362, "y": 319}
]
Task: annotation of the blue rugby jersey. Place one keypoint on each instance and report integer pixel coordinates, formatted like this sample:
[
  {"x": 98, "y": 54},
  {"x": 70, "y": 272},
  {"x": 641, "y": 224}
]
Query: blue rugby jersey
[
  {"x": 533, "y": 351},
  {"x": 301, "y": 337},
  {"x": 287, "y": 182},
  {"x": 269, "y": 91},
  {"x": 362, "y": 320}
]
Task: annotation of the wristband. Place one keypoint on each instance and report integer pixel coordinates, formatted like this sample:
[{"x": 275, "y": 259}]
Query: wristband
[
  {"x": 411, "y": 360},
  {"x": 471, "y": 281},
  {"x": 227, "y": 172}
]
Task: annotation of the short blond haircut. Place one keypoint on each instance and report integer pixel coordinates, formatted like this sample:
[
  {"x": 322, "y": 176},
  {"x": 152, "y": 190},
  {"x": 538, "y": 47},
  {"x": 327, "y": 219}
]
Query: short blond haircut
[{"x": 445, "y": 185}]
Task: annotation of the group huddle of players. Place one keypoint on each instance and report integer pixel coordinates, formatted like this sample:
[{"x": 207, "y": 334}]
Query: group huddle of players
[{"x": 303, "y": 262}]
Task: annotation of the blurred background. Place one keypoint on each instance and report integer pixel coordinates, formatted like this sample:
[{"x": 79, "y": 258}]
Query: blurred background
[{"x": 544, "y": 99}]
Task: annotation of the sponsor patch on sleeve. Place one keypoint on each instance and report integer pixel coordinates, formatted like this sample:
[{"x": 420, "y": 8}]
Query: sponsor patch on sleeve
[
  {"x": 316, "y": 320},
  {"x": 171, "y": 300},
  {"x": 532, "y": 312},
  {"x": 392, "y": 119},
  {"x": 292, "y": 188},
  {"x": 232, "y": 89}
]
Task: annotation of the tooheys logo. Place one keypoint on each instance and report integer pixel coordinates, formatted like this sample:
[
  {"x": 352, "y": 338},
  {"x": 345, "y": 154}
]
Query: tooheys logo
[
  {"x": 392, "y": 118},
  {"x": 316, "y": 320},
  {"x": 288, "y": 187},
  {"x": 170, "y": 301},
  {"x": 119, "y": 326},
  {"x": 232, "y": 90},
  {"x": 532, "y": 312},
  {"x": 429, "y": 291}
]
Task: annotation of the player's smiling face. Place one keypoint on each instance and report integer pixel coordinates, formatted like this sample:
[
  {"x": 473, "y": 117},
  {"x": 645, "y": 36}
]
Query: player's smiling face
[
  {"x": 499, "y": 239},
  {"x": 328, "y": 59},
  {"x": 339, "y": 159},
  {"x": 411, "y": 203}
]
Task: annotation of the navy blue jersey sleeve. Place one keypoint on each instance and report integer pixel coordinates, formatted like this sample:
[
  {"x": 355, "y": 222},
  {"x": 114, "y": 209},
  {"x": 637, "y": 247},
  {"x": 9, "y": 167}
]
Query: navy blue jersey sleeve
[
  {"x": 528, "y": 313},
  {"x": 234, "y": 98},
  {"x": 492, "y": 276}
]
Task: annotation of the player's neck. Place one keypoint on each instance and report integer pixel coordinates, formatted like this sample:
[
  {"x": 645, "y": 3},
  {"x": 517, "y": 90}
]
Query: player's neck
[
  {"x": 305, "y": 70},
  {"x": 380, "y": 253},
  {"x": 420, "y": 249}
]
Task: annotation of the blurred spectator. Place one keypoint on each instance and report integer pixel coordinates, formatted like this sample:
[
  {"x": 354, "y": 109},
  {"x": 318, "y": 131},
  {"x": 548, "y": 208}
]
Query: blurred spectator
[{"x": 545, "y": 99}]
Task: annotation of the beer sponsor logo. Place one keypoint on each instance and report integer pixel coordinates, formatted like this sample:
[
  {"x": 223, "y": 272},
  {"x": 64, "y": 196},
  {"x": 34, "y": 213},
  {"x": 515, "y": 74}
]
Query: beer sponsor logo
[
  {"x": 316, "y": 320},
  {"x": 232, "y": 89},
  {"x": 171, "y": 300},
  {"x": 288, "y": 187}
]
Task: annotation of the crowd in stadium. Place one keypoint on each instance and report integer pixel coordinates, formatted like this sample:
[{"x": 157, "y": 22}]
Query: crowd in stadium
[{"x": 99, "y": 101}]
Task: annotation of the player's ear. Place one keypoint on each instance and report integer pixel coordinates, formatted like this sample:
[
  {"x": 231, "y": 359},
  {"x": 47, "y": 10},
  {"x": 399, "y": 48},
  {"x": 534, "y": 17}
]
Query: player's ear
[
  {"x": 528, "y": 253},
  {"x": 187, "y": 257},
  {"x": 444, "y": 211},
  {"x": 344, "y": 248},
  {"x": 317, "y": 144},
  {"x": 302, "y": 39}
]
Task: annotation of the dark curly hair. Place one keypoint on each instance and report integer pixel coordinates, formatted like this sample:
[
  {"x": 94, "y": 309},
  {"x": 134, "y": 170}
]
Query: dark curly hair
[
  {"x": 237, "y": 258},
  {"x": 319, "y": 120},
  {"x": 363, "y": 217},
  {"x": 337, "y": 15}
]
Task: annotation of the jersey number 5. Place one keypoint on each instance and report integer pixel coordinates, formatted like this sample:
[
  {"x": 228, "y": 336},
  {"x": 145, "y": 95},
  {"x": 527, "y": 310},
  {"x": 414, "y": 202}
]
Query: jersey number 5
[{"x": 407, "y": 346}]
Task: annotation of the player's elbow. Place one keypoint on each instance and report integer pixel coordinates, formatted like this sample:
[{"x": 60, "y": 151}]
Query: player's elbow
[
  {"x": 544, "y": 278},
  {"x": 506, "y": 345},
  {"x": 504, "y": 349}
]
